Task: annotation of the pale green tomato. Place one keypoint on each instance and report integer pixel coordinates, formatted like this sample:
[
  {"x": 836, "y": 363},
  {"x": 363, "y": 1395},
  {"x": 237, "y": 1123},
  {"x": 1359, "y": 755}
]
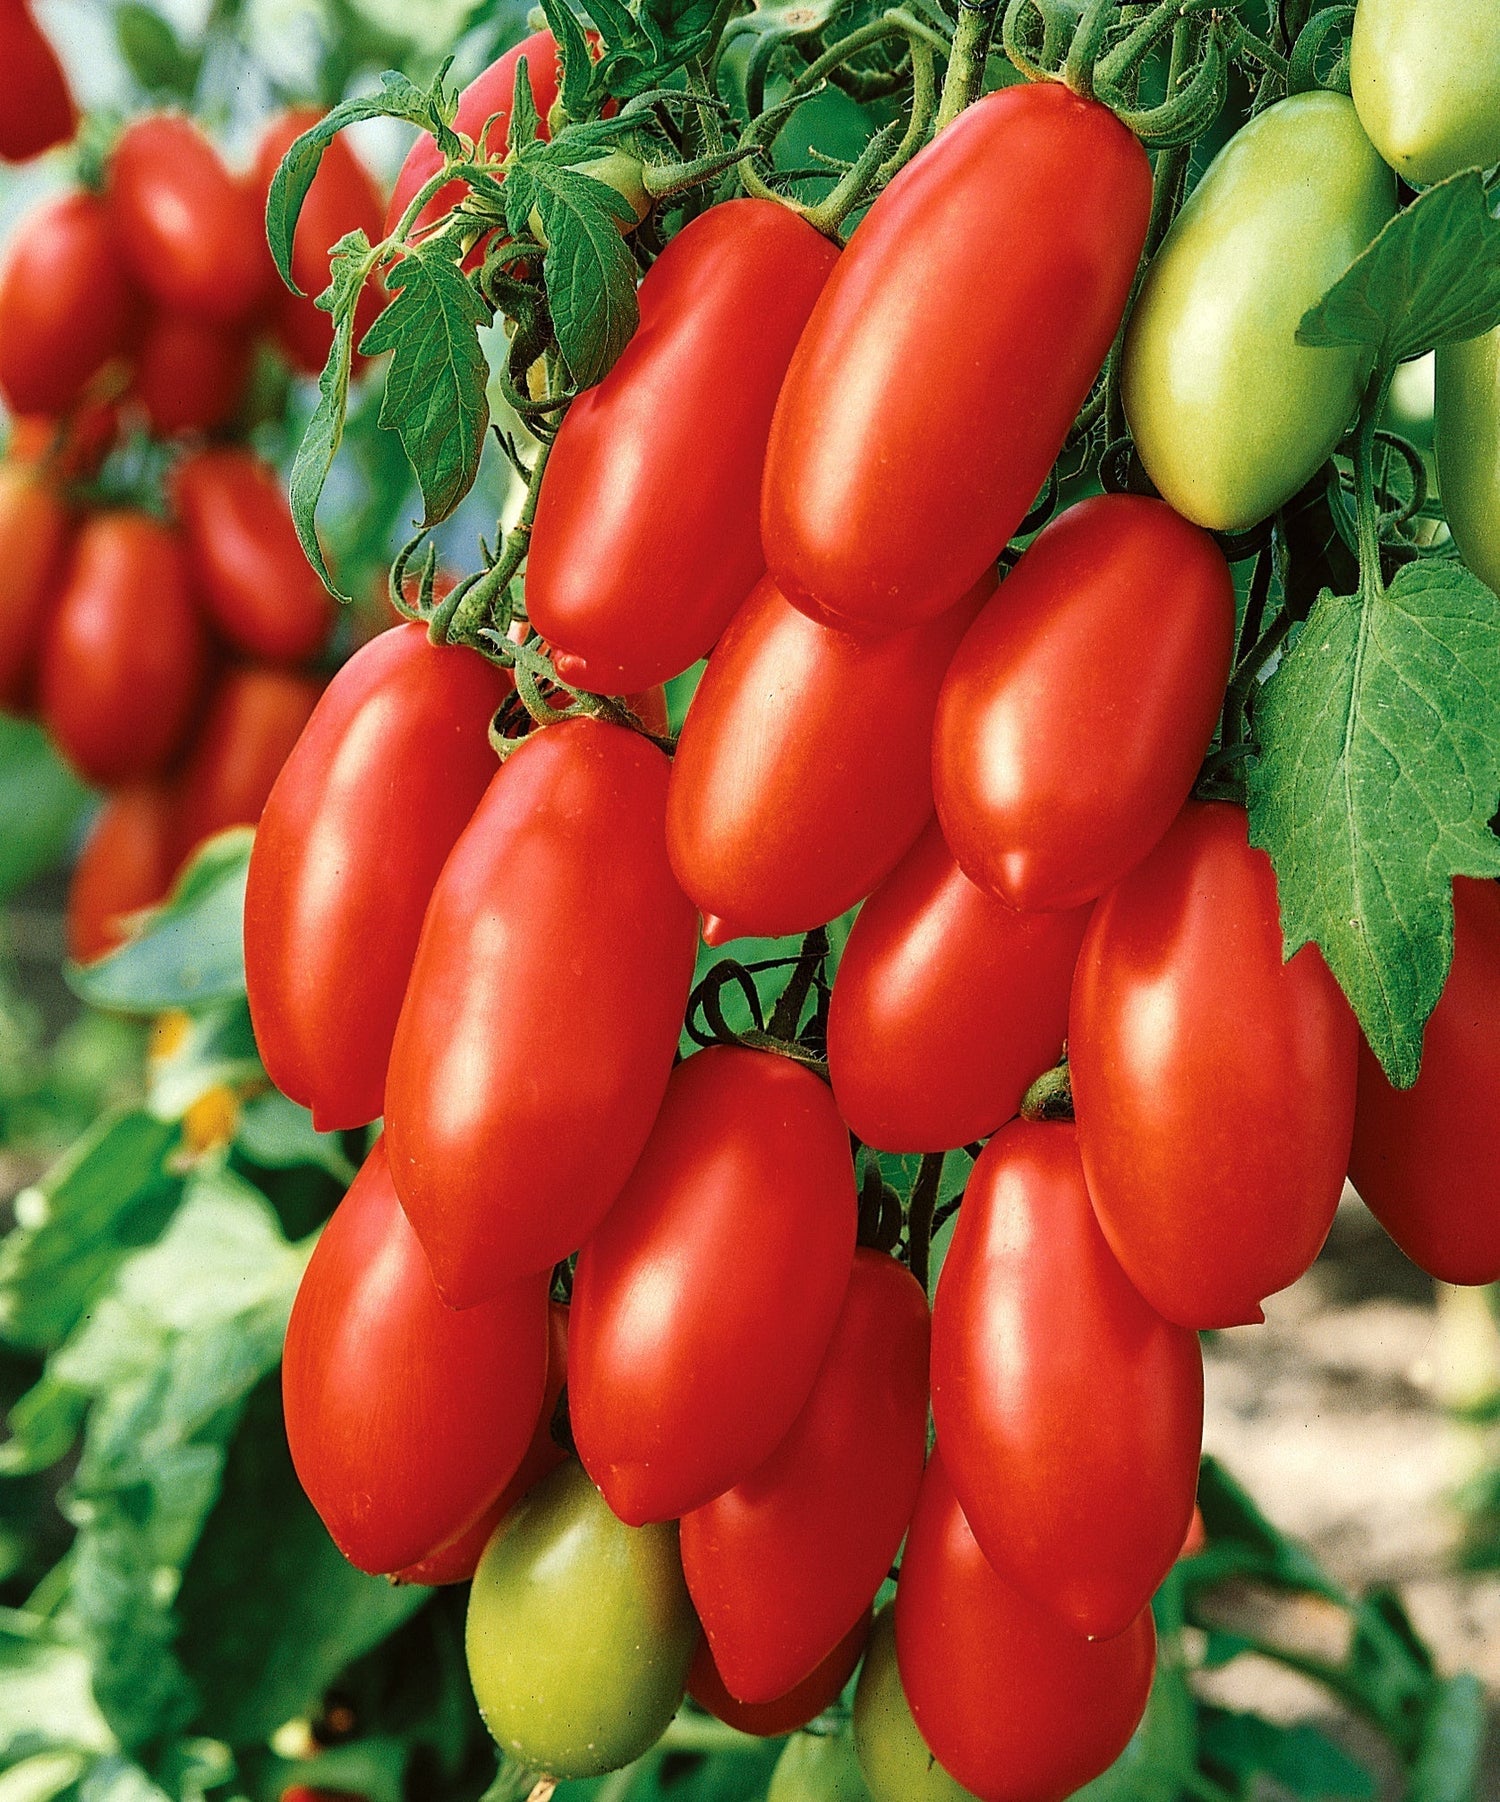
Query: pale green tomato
[
  {"x": 1229, "y": 413},
  {"x": 892, "y": 1754},
  {"x": 1426, "y": 78},
  {"x": 1466, "y": 432},
  {"x": 580, "y": 1631},
  {"x": 818, "y": 1767}
]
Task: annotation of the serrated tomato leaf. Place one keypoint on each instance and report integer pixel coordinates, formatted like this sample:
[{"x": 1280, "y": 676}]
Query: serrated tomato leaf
[
  {"x": 1431, "y": 276},
  {"x": 435, "y": 396},
  {"x": 1378, "y": 773},
  {"x": 398, "y": 98}
]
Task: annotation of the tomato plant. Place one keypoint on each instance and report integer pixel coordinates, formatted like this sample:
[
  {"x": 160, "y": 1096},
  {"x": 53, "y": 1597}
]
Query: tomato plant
[
  {"x": 405, "y": 1418},
  {"x": 803, "y": 771},
  {"x": 1215, "y": 1092},
  {"x": 1069, "y": 1412},
  {"x": 1074, "y": 717},
  {"x": 682, "y": 1381},
  {"x": 781, "y": 1566},
  {"x": 580, "y": 1631},
  {"x": 515, "y": 1111},
  {"x": 326, "y": 961}
]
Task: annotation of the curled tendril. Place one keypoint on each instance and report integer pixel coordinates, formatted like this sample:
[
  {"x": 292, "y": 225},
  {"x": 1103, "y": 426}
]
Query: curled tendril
[
  {"x": 1038, "y": 58},
  {"x": 1312, "y": 41}
]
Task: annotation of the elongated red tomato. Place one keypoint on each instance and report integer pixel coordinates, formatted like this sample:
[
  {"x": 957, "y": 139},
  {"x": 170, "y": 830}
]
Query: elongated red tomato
[
  {"x": 948, "y": 356},
  {"x": 67, "y": 306},
  {"x": 36, "y": 103},
  {"x": 1423, "y": 1158},
  {"x": 647, "y": 533},
  {"x": 487, "y": 98},
  {"x": 1015, "y": 1706},
  {"x": 947, "y": 1005},
  {"x": 784, "y": 1714},
  {"x": 1069, "y": 1412},
  {"x": 782, "y": 1566},
  {"x": 70, "y": 448},
  {"x": 1214, "y": 1084},
  {"x": 804, "y": 769},
  {"x": 189, "y": 231},
  {"x": 543, "y": 1011},
  {"x": 1076, "y": 712},
  {"x": 125, "y": 656},
  {"x": 254, "y": 718},
  {"x": 703, "y": 1305},
  {"x": 258, "y": 588},
  {"x": 457, "y": 1561},
  {"x": 405, "y": 1418},
  {"x": 190, "y": 374},
  {"x": 126, "y": 864},
  {"x": 383, "y": 780},
  {"x": 33, "y": 538},
  {"x": 343, "y": 198}
]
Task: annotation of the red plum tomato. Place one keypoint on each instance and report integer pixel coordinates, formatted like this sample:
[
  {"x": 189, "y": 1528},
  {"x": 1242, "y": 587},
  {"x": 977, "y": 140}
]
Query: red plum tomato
[
  {"x": 190, "y": 375},
  {"x": 37, "y": 109},
  {"x": 784, "y": 1714},
  {"x": 33, "y": 542},
  {"x": 126, "y": 864}
]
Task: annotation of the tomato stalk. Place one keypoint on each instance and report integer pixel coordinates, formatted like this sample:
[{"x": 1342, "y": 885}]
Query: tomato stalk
[
  {"x": 971, "y": 48},
  {"x": 920, "y": 1210},
  {"x": 1050, "y": 1097}
]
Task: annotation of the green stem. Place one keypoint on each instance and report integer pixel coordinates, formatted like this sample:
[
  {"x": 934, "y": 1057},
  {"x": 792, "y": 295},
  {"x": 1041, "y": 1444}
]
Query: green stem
[
  {"x": 1050, "y": 1097},
  {"x": 923, "y": 1205},
  {"x": 470, "y": 610},
  {"x": 1088, "y": 41},
  {"x": 787, "y": 1017},
  {"x": 971, "y": 48},
  {"x": 1367, "y": 506}
]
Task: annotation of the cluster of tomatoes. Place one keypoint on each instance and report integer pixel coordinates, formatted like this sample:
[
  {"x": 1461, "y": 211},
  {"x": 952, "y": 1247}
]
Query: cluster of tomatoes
[
  {"x": 162, "y": 633},
  {"x": 498, "y": 964}
]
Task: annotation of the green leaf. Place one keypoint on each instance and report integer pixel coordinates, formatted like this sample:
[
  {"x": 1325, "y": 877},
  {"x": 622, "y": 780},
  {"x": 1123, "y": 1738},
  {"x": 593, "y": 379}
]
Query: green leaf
[
  {"x": 435, "y": 395},
  {"x": 263, "y": 1652},
  {"x": 577, "y": 64},
  {"x": 278, "y": 1135},
  {"x": 109, "y": 1196},
  {"x": 399, "y": 98},
  {"x": 589, "y": 270},
  {"x": 1301, "y": 1758},
  {"x": 1431, "y": 276},
  {"x": 1453, "y": 1738},
  {"x": 349, "y": 265},
  {"x": 42, "y": 804},
  {"x": 191, "y": 949},
  {"x": 153, "y": 52},
  {"x": 45, "y": 1700},
  {"x": 1379, "y": 772}
]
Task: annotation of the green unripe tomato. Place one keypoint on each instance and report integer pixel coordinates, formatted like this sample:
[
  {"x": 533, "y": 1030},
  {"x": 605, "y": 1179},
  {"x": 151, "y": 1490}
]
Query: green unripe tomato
[
  {"x": 1425, "y": 75},
  {"x": 892, "y": 1754},
  {"x": 1229, "y": 413},
  {"x": 617, "y": 169},
  {"x": 580, "y": 1631},
  {"x": 818, "y": 1767},
  {"x": 1466, "y": 433}
]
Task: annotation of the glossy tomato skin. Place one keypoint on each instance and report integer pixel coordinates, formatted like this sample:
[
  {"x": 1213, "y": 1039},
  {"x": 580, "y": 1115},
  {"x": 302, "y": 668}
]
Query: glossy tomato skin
[
  {"x": 1074, "y": 716},
  {"x": 1229, "y": 413},
  {"x": 36, "y": 107},
  {"x": 515, "y": 1106},
  {"x": 580, "y": 1631},
  {"x": 1466, "y": 434},
  {"x": 405, "y": 1418},
  {"x": 457, "y": 1561},
  {"x": 913, "y": 433},
  {"x": 783, "y": 1714},
  {"x": 125, "y": 656},
  {"x": 1423, "y": 1158},
  {"x": 804, "y": 768},
  {"x": 1426, "y": 82},
  {"x": 126, "y": 864},
  {"x": 947, "y": 1005},
  {"x": 190, "y": 232},
  {"x": 255, "y": 716},
  {"x": 67, "y": 306},
  {"x": 257, "y": 586},
  {"x": 487, "y": 98},
  {"x": 1069, "y": 1412},
  {"x": 1015, "y": 1705},
  {"x": 705, "y": 1302},
  {"x": 343, "y": 198},
  {"x": 190, "y": 375},
  {"x": 370, "y": 802},
  {"x": 1214, "y": 1085},
  {"x": 647, "y": 534},
  {"x": 896, "y": 1761},
  {"x": 781, "y": 1566},
  {"x": 33, "y": 540}
]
